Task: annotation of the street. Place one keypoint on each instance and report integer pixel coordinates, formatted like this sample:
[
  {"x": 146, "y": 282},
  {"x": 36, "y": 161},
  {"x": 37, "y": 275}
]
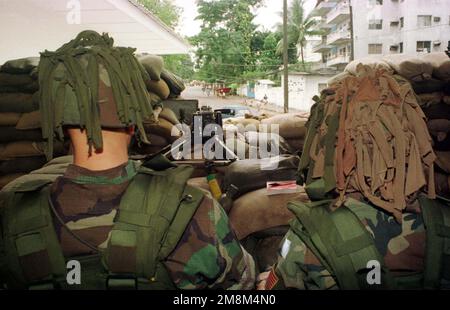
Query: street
[{"x": 254, "y": 106}]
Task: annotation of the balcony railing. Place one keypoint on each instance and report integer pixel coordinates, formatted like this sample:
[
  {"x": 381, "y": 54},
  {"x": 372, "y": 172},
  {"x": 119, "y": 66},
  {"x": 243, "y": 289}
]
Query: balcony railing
[
  {"x": 323, "y": 8},
  {"x": 339, "y": 37},
  {"x": 339, "y": 14},
  {"x": 338, "y": 60}
]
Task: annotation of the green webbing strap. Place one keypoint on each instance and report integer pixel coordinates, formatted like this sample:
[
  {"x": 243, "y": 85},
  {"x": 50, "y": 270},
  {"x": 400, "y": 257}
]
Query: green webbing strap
[
  {"x": 31, "y": 245},
  {"x": 313, "y": 124},
  {"x": 341, "y": 241},
  {"x": 436, "y": 215},
  {"x": 317, "y": 189},
  {"x": 145, "y": 234},
  {"x": 72, "y": 73}
]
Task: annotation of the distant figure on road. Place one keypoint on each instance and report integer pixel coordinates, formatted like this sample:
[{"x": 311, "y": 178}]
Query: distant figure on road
[{"x": 208, "y": 91}]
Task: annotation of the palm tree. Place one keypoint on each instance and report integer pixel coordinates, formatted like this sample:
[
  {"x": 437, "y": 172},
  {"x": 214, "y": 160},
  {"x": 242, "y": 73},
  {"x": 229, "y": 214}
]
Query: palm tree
[{"x": 299, "y": 28}]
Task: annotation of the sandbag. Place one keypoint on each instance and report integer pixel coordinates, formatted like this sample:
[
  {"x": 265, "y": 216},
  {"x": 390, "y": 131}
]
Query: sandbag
[
  {"x": 290, "y": 125},
  {"x": 164, "y": 129},
  {"x": 339, "y": 77},
  {"x": 153, "y": 64},
  {"x": 17, "y": 103},
  {"x": 19, "y": 149},
  {"x": 28, "y": 88},
  {"x": 442, "y": 184},
  {"x": 374, "y": 62},
  {"x": 267, "y": 140},
  {"x": 246, "y": 124},
  {"x": 159, "y": 88},
  {"x": 5, "y": 179},
  {"x": 22, "y": 165},
  {"x": 9, "y": 134},
  {"x": 430, "y": 98},
  {"x": 296, "y": 144},
  {"x": 31, "y": 120},
  {"x": 175, "y": 83},
  {"x": 257, "y": 211},
  {"x": 155, "y": 100},
  {"x": 169, "y": 115},
  {"x": 20, "y": 66},
  {"x": 443, "y": 161},
  {"x": 410, "y": 67},
  {"x": 156, "y": 140},
  {"x": 428, "y": 86},
  {"x": 15, "y": 80},
  {"x": 441, "y": 65},
  {"x": 437, "y": 111},
  {"x": 9, "y": 119},
  {"x": 249, "y": 175},
  {"x": 265, "y": 249}
]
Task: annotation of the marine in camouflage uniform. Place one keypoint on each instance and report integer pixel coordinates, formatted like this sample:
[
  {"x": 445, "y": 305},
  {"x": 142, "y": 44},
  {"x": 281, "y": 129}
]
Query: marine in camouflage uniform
[
  {"x": 208, "y": 255},
  {"x": 86, "y": 206},
  {"x": 401, "y": 245}
]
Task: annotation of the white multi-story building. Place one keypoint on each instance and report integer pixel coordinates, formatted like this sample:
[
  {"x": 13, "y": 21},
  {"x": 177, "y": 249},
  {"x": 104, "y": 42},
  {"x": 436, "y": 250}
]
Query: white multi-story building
[
  {"x": 334, "y": 22},
  {"x": 400, "y": 26},
  {"x": 380, "y": 27}
]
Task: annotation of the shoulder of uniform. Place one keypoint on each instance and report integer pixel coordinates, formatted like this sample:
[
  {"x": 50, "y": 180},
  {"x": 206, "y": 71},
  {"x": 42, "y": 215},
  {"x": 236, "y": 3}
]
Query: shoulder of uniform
[{"x": 39, "y": 178}]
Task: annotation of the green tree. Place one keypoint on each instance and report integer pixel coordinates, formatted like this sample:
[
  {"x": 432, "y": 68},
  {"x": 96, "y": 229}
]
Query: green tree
[
  {"x": 170, "y": 14},
  {"x": 225, "y": 42},
  {"x": 299, "y": 28},
  {"x": 165, "y": 10}
]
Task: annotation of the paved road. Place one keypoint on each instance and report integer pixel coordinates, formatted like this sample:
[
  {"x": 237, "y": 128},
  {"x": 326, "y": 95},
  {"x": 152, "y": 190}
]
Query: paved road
[{"x": 212, "y": 100}]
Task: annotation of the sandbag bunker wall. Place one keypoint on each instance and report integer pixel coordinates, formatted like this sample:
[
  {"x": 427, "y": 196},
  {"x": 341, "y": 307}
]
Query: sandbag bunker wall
[
  {"x": 21, "y": 143},
  {"x": 429, "y": 75}
]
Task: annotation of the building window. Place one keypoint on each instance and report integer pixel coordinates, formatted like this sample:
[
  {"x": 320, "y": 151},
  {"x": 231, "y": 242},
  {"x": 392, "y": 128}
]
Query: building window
[
  {"x": 424, "y": 20},
  {"x": 402, "y": 22},
  {"x": 423, "y": 46},
  {"x": 375, "y": 24},
  {"x": 401, "y": 47},
  {"x": 375, "y": 49},
  {"x": 375, "y": 2}
]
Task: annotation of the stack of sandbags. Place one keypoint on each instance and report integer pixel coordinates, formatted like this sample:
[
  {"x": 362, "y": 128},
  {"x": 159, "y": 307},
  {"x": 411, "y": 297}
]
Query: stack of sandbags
[
  {"x": 161, "y": 131},
  {"x": 253, "y": 174},
  {"x": 21, "y": 144},
  {"x": 292, "y": 127},
  {"x": 161, "y": 82},
  {"x": 434, "y": 95}
]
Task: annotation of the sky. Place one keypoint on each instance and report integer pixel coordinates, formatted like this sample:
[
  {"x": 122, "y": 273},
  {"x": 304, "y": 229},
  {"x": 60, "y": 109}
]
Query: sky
[{"x": 267, "y": 16}]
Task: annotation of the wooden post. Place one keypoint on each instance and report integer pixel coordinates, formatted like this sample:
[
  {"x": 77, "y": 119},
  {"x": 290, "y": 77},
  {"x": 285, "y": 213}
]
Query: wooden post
[{"x": 285, "y": 57}]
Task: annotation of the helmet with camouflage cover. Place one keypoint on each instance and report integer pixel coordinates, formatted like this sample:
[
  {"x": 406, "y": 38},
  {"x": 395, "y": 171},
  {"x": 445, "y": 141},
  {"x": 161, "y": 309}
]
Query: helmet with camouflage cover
[{"x": 91, "y": 84}]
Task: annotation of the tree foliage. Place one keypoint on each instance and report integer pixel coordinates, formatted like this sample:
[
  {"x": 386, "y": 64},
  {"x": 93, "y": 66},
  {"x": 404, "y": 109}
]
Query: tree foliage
[
  {"x": 170, "y": 14},
  {"x": 226, "y": 42},
  {"x": 299, "y": 27},
  {"x": 165, "y": 10}
]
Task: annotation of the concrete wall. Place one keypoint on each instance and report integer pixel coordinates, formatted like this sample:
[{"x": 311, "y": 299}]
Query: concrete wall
[{"x": 302, "y": 88}]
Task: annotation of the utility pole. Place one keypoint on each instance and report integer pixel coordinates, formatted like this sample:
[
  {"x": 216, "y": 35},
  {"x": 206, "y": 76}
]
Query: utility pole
[
  {"x": 285, "y": 57},
  {"x": 352, "y": 34}
]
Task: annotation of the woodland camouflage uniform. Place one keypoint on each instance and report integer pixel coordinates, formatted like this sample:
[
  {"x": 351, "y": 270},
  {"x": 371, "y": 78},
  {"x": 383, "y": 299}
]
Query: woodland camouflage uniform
[{"x": 137, "y": 221}]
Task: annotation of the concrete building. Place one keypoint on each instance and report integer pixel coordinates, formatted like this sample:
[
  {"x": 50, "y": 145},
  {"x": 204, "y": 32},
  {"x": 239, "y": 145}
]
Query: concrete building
[
  {"x": 380, "y": 27},
  {"x": 28, "y": 27},
  {"x": 334, "y": 21},
  {"x": 400, "y": 26}
]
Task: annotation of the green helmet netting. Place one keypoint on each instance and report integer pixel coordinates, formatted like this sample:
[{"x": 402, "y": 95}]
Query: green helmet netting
[{"x": 73, "y": 72}]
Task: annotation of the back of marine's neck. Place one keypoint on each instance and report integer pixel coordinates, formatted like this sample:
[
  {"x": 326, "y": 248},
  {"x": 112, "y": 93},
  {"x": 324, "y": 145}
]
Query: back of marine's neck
[
  {"x": 114, "y": 152},
  {"x": 100, "y": 162}
]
